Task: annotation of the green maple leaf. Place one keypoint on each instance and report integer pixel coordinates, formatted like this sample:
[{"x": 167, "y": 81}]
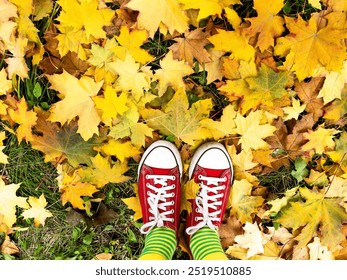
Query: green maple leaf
[
  {"x": 58, "y": 143},
  {"x": 179, "y": 121},
  {"x": 316, "y": 213},
  {"x": 300, "y": 169}
]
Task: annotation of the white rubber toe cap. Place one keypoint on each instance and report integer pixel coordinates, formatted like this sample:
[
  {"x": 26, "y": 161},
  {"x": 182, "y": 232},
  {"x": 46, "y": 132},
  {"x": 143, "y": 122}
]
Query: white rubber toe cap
[
  {"x": 211, "y": 155},
  {"x": 162, "y": 154}
]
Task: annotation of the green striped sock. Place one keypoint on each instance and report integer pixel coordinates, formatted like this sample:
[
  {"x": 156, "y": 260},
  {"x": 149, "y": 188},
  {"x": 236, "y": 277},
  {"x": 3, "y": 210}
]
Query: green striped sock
[
  {"x": 162, "y": 241},
  {"x": 205, "y": 242}
]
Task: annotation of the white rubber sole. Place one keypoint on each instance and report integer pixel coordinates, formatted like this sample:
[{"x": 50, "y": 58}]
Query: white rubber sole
[
  {"x": 202, "y": 150},
  {"x": 166, "y": 144}
]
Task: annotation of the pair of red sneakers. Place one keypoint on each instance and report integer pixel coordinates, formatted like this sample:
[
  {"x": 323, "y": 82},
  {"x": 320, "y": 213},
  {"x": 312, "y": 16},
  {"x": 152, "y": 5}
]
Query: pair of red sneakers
[{"x": 159, "y": 181}]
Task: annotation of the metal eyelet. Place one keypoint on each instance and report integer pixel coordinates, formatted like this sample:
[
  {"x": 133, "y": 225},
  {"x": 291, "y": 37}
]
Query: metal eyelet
[
  {"x": 148, "y": 192},
  {"x": 172, "y": 194},
  {"x": 172, "y": 202},
  {"x": 147, "y": 176},
  {"x": 199, "y": 176},
  {"x": 196, "y": 219},
  {"x": 172, "y": 211}
]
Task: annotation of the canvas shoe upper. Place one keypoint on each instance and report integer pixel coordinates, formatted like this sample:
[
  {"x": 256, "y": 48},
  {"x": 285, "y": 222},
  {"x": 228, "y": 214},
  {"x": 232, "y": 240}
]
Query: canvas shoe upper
[
  {"x": 159, "y": 177},
  {"x": 211, "y": 168}
]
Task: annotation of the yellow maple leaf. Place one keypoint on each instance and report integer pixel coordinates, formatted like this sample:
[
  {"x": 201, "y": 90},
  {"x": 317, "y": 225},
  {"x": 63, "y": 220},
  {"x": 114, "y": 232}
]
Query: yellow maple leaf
[
  {"x": 309, "y": 47},
  {"x": 134, "y": 204},
  {"x": 171, "y": 73},
  {"x": 132, "y": 41},
  {"x": 293, "y": 112},
  {"x": 242, "y": 160},
  {"x": 179, "y": 121},
  {"x": 333, "y": 85},
  {"x": 9, "y": 201},
  {"x": 121, "y": 150},
  {"x": 37, "y": 210},
  {"x": 279, "y": 203},
  {"x": 25, "y": 8},
  {"x": 317, "y": 178},
  {"x": 111, "y": 105},
  {"x": 243, "y": 204},
  {"x": 233, "y": 41},
  {"x": 86, "y": 16},
  {"x": 101, "y": 56},
  {"x": 215, "y": 67},
  {"x": 168, "y": 16},
  {"x": 253, "y": 240},
  {"x": 16, "y": 64},
  {"x": 252, "y": 132},
  {"x": 224, "y": 127},
  {"x": 6, "y": 30},
  {"x": 315, "y": 4},
  {"x": 207, "y": 7},
  {"x": 42, "y": 8},
  {"x": 339, "y": 155},
  {"x": 338, "y": 108},
  {"x": 129, "y": 125},
  {"x": 315, "y": 213},
  {"x": 131, "y": 78},
  {"x": 188, "y": 193},
  {"x": 7, "y": 10},
  {"x": 337, "y": 188},
  {"x": 5, "y": 85},
  {"x": 234, "y": 19},
  {"x": 320, "y": 139},
  {"x": 76, "y": 95},
  {"x": 267, "y": 25},
  {"x": 3, "y": 157},
  {"x": 26, "y": 120},
  {"x": 71, "y": 40},
  {"x": 73, "y": 193},
  {"x": 102, "y": 172}
]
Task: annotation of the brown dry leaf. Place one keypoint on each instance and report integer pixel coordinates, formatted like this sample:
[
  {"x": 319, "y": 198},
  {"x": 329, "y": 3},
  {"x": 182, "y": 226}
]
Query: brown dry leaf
[
  {"x": 8, "y": 247},
  {"x": 308, "y": 92},
  {"x": 70, "y": 62},
  {"x": 300, "y": 253},
  {"x": 191, "y": 46},
  {"x": 104, "y": 257},
  {"x": 229, "y": 230},
  {"x": 295, "y": 140},
  {"x": 53, "y": 63}
]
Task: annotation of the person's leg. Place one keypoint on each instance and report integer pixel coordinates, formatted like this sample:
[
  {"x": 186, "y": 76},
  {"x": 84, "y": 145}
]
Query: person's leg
[
  {"x": 211, "y": 168},
  {"x": 159, "y": 176}
]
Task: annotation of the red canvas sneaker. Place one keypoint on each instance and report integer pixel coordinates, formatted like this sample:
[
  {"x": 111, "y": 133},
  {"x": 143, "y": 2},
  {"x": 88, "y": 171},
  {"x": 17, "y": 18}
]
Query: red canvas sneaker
[
  {"x": 159, "y": 183},
  {"x": 211, "y": 168}
]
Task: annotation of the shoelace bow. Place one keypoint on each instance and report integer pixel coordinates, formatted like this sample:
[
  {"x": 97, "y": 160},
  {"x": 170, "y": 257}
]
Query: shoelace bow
[
  {"x": 158, "y": 200},
  {"x": 206, "y": 201}
]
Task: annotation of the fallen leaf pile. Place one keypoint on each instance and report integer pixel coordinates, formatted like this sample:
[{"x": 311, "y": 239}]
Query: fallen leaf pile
[{"x": 267, "y": 81}]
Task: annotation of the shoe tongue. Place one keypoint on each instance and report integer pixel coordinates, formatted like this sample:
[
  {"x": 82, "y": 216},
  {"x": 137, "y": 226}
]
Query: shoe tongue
[
  {"x": 161, "y": 171},
  {"x": 209, "y": 172}
]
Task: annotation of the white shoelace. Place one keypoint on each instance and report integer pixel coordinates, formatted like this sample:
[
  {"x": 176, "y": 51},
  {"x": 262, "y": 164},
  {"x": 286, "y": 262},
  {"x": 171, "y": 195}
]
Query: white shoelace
[
  {"x": 159, "y": 199},
  {"x": 204, "y": 202}
]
